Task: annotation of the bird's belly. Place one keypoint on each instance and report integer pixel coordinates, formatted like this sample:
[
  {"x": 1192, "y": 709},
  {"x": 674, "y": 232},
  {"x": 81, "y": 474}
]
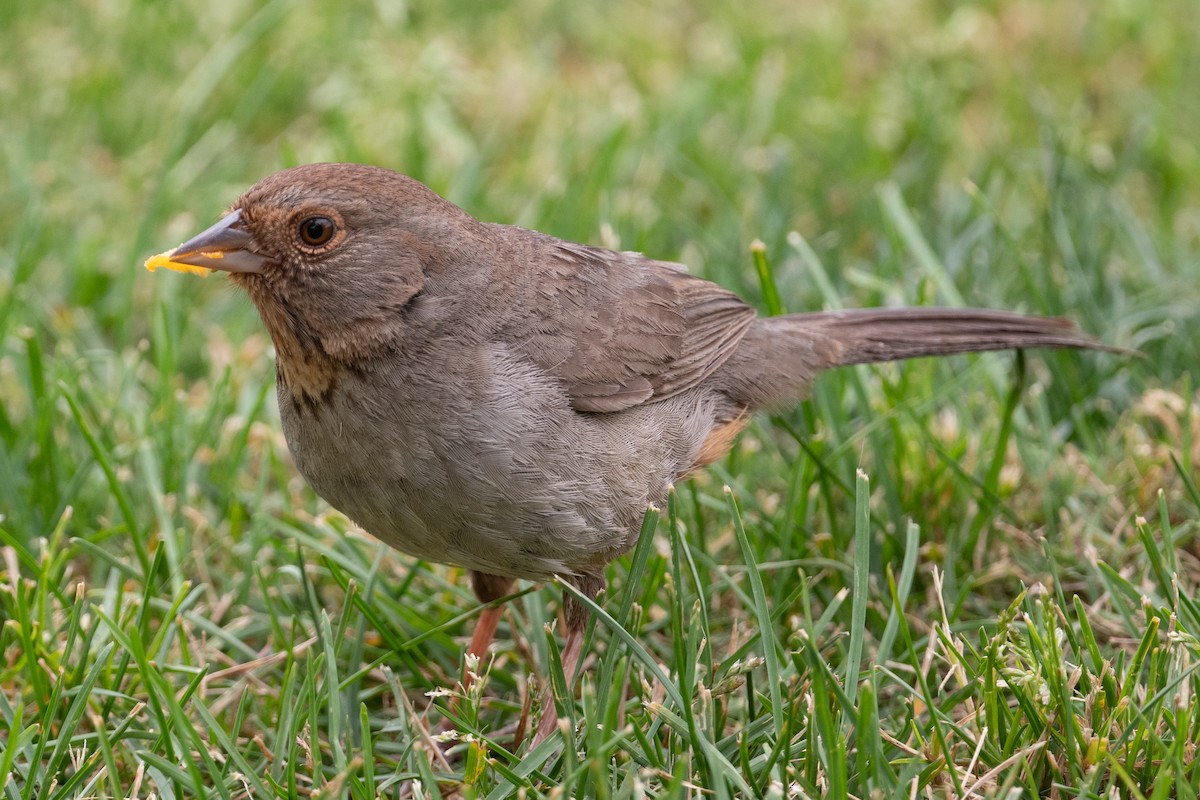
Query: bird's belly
[
  {"x": 509, "y": 482},
  {"x": 416, "y": 495}
]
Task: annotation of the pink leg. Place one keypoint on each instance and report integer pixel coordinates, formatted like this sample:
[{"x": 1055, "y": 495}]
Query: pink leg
[
  {"x": 572, "y": 651},
  {"x": 570, "y": 662},
  {"x": 485, "y": 631},
  {"x": 488, "y": 588}
]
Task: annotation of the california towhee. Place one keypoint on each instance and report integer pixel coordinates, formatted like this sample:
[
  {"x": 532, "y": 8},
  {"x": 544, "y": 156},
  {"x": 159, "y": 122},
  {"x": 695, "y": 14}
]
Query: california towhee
[{"x": 489, "y": 396}]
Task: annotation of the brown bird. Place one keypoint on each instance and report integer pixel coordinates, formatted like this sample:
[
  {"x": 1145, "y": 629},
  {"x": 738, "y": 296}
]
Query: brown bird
[{"x": 492, "y": 397}]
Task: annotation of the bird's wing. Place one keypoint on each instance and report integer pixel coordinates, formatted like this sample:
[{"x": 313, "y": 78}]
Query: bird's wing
[{"x": 619, "y": 329}]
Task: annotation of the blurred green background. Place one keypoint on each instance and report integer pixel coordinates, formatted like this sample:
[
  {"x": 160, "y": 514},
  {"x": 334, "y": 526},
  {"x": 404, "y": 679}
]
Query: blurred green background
[{"x": 1037, "y": 156}]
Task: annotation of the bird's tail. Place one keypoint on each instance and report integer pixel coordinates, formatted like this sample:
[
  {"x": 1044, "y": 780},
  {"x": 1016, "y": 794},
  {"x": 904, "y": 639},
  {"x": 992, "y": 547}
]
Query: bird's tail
[
  {"x": 780, "y": 356},
  {"x": 870, "y": 335}
]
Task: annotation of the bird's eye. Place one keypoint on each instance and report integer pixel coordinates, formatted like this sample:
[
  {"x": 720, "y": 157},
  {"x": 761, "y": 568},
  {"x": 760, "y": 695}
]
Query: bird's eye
[{"x": 316, "y": 231}]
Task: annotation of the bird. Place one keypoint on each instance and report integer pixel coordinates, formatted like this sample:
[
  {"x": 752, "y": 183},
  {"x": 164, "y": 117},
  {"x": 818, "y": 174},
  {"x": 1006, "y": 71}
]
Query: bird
[{"x": 488, "y": 396}]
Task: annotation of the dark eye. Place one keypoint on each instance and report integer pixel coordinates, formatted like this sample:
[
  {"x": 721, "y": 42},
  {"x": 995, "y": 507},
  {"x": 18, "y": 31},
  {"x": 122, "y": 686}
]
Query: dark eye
[{"x": 316, "y": 231}]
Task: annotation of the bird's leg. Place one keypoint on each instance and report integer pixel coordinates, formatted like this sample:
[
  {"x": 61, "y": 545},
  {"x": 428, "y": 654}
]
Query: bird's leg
[
  {"x": 576, "y": 618},
  {"x": 488, "y": 588}
]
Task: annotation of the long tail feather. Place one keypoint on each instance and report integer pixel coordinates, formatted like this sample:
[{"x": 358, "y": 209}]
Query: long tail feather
[
  {"x": 780, "y": 356},
  {"x": 871, "y": 335}
]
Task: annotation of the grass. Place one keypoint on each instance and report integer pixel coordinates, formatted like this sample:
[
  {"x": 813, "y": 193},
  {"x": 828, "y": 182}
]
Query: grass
[{"x": 970, "y": 577}]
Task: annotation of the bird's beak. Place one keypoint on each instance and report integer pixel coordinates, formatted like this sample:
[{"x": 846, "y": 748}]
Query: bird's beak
[{"x": 226, "y": 246}]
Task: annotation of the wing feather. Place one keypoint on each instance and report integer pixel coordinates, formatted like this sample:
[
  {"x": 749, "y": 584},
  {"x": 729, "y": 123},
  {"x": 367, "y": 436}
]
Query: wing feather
[{"x": 619, "y": 329}]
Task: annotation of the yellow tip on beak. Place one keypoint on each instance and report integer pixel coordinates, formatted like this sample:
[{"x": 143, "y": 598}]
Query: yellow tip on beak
[
  {"x": 164, "y": 260},
  {"x": 226, "y": 246}
]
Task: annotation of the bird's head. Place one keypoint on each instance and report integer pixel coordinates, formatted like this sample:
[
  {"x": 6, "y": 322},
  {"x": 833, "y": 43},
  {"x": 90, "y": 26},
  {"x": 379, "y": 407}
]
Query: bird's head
[{"x": 332, "y": 255}]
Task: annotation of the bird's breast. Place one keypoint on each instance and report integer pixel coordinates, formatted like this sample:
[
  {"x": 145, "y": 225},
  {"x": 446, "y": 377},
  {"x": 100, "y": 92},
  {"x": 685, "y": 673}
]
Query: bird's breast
[{"x": 479, "y": 460}]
